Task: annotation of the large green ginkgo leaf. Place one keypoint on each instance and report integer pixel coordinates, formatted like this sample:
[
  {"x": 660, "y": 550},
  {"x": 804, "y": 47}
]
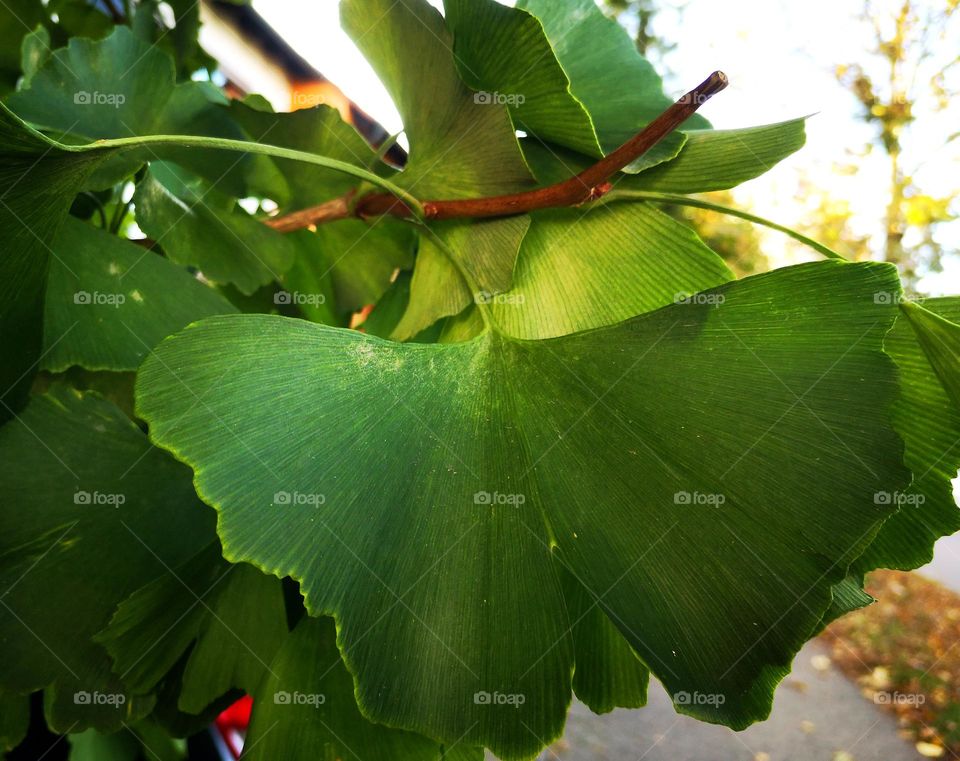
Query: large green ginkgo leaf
[
  {"x": 109, "y": 302},
  {"x": 120, "y": 87},
  {"x": 435, "y": 490},
  {"x": 87, "y": 532},
  {"x": 305, "y": 708},
  {"x": 459, "y": 147}
]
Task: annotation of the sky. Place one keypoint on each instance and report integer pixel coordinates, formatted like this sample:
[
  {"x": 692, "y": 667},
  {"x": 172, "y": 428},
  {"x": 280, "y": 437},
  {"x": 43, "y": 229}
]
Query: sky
[{"x": 779, "y": 56}]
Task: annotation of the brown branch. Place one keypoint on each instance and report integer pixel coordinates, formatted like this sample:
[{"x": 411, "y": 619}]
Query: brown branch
[
  {"x": 590, "y": 184},
  {"x": 328, "y": 211}
]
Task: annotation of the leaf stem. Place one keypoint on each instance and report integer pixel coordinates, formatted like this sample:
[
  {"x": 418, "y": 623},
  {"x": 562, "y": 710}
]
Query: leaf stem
[
  {"x": 412, "y": 205},
  {"x": 649, "y": 195}
]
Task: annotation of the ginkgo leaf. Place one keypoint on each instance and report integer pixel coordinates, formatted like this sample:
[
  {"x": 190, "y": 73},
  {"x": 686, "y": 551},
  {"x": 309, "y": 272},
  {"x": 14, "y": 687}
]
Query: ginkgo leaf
[
  {"x": 94, "y": 746},
  {"x": 29, "y": 221},
  {"x": 618, "y": 87},
  {"x": 122, "y": 86},
  {"x": 437, "y": 289},
  {"x": 318, "y": 130},
  {"x": 109, "y": 302},
  {"x": 132, "y": 743},
  {"x": 151, "y": 629},
  {"x": 89, "y": 531},
  {"x": 504, "y": 54},
  {"x": 305, "y": 708},
  {"x": 709, "y": 160},
  {"x": 237, "y": 641},
  {"x": 34, "y": 51},
  {"x": 14, "y": 719},
  {"x": 308, "y": 285},
  {"x": 460, "y": 147},
  {"x": 608, "y": 673},
  {"x": 46, "y": 175},
  {"x": 18, "y": 18},
  {"x": 389, "y": 310},
  {"x": 639, "y": 260},
  {"x": 196, "y": 227},
  {"x": 457, "y": 264},
  {"x": 929, "y": 423},
  {"x": 232, "y": 616},
  {"x": 361, "y": 258},
  {"x": 626, "y": 454},
  {"x": 722, "y": 159},
  {"x": 847, "y": 596},
  {"x": 940, "y": 340}
]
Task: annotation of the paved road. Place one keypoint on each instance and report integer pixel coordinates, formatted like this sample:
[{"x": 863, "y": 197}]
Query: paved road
[
  {"x": 945, "y": 566},
  {"x": 817, "y": 716}
]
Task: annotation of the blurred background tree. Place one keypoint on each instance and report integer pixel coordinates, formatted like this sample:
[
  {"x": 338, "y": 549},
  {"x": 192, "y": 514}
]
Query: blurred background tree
[
  {"x": 736, "y": 240},
  {"x": 637, "y": 16},
  {"x": 911, "y": 68}
]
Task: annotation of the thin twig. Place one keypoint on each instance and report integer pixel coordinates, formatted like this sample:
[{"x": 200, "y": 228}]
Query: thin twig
[
  {"x": 589, "y": 185},
  {"x": 329, "y": 211}
]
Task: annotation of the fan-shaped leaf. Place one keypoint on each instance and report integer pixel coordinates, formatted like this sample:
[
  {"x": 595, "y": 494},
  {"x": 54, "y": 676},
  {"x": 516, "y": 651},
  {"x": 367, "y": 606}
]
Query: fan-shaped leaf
[
  {"x": 495, "y": 460},
  {"x": 88, "y": 532},
  {"x": 306, "y": 708},
  {"x": 122, "y": 86},
  {"x": 460, "y": 147},
  {"x": 109, "y": 302}
]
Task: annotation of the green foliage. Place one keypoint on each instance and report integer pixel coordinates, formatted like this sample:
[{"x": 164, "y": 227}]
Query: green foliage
[{"x": 564, "y": 450}]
